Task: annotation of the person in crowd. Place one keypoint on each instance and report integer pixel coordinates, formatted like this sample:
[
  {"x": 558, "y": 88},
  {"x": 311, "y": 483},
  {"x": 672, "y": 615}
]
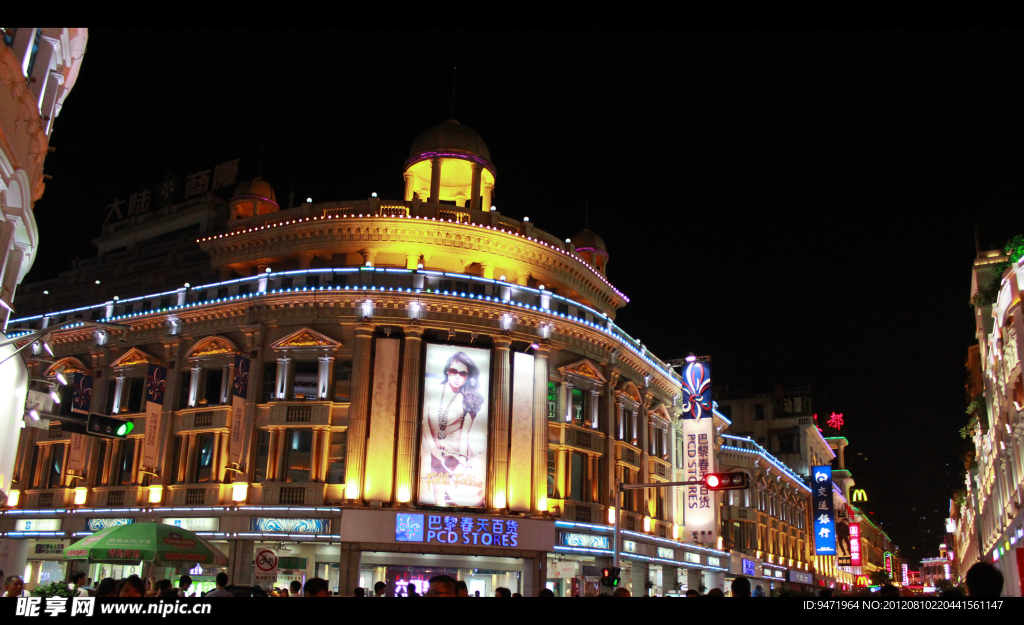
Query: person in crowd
[
  {"x": 441, "y": 586},
  {"x": 476, "y": 593},
  {"x": 546, "y": 592},
  {"x": 315, "y": 587},
  {"x": 282, "y": 592},
  {"x": 107, "y": 587},
  {"x": 741, "y": 587},
  {"x": 132, "y": 586},
  {"x": 984, "y": 581},
  {"x": 157, "y": 588},
  {"x": 14, "y": 586},
  {"x": 76, "y": 581},
  {"x": 296, "y": 587},
  {"x": 889, "y": 591},
  {"x": 715, "y": 592},
  {"x": 221, "y": 590},
  {"x": 359, "y": 592},
  {"x": 410, "y": 589},
  {"x": 169, "y": 593},
  {"x": 622, "y": 592},
  {"x": 502, "y": 592},
  {"x": 461, "y": 590},
  {"x": 515, "y": 594},
  {"x": 378, "y": 589},
  {"x": 826, "y": 593},
  {"x": 692, "y": 593},
  {"x": 183, "y": 585}
]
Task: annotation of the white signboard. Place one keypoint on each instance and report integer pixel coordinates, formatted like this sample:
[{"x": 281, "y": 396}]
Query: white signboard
[
  {"x": 699, "y": 452},
  {"x": 37, "y": 525},
  {"x": 200, "y": 524},
  {"x": 266, "y": 566}
]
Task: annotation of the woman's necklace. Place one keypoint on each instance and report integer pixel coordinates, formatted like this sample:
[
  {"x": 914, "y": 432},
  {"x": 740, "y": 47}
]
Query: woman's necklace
[{"x": 442, "y": 419}]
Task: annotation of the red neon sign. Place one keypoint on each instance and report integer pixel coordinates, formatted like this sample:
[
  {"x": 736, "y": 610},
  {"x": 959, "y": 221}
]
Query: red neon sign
[{"x": 855, "y": 544}]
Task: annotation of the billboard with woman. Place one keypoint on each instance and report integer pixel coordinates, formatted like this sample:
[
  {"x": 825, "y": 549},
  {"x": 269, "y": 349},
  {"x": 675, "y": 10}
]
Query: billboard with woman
[{"x": 453, "y": 443}]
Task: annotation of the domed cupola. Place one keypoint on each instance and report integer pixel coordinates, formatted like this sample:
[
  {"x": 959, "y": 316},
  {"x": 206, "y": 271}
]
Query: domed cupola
[
  {"x": 253, "y": 197},
  {"x": 591, "y": 247},
  {"x": 450, "y": 163}
]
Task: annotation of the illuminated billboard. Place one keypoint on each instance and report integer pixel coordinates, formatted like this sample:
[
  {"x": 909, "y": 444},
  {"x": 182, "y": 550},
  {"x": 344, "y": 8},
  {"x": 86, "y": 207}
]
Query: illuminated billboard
[
  {"x": 698, "y": 440},
  {"x": 823, "y": 511},
  {"x": 453, "y": 446}
]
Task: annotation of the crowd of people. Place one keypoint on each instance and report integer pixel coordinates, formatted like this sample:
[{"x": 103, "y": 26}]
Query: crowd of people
[{"x": 983, "y": 581}]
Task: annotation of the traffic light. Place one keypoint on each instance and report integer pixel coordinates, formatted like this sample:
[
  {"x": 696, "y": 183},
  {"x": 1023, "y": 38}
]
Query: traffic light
[
  {"x": 726, "y": 481},
  {"x": 108, "y": 427},
  {"x": 610, "y": 577}
]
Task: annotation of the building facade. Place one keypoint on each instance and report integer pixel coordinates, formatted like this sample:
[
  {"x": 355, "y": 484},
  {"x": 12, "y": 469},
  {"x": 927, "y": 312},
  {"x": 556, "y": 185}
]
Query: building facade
[
  {"x": 995, "y": 486},
  {"x": 376, "y": 390},
  {"x": 38, "y": 68}
]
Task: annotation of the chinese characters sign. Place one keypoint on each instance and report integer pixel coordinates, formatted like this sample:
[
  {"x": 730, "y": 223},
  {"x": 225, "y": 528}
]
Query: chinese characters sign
[
  {"x": 698, "y": 439},
  {"x": 169, "y": 191},
  {"x": 156, "y": 386},
  {"x": 855, "y": 544},
  {"x": 456, "y": 530},
  {"x": 823, "y": 512}
]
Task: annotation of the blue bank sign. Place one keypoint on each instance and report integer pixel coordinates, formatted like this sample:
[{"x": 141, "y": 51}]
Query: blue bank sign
[{"x": 823, "y": 512}]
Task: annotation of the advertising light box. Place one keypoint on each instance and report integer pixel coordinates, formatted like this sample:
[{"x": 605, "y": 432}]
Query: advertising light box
[{"x": 453, "y": 447}]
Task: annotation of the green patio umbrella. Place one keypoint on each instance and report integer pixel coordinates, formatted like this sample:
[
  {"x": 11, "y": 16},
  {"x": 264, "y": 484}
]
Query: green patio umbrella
[{"x": 156, "y": 543}]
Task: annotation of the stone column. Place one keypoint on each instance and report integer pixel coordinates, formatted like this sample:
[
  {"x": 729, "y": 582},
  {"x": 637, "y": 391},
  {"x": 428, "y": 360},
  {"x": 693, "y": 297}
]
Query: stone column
[
  {"x": 272, "y": 455},
  {"x": 315, "y": 451},
  {"x": 595, "y": 415},
  {"x": 240, "y": 562},
  {"x": 567, "y": 394},
  {"x": 644, "y": 446},
  {"x": 488, "y": 193},
  {"x": 435, "y": 179},
  {"x": 281, "y": 471},
  {"x": 281, "y": 388},
  {"x": 410, "y": 185},
  {"x": 408, "y": 415},
  {"x": 348, "y": 568},
  {"x": 324, "y": 377},
  {"x": 325, "y": 454},
  {"x": 193, "y": 386},
  {"x": 119, "y": 393},
  {"x": 358, "y": 412},
  {"x": 638, "y": 578},
  {"x": 561, "y": 475},
  {"x": 186, "y": 449},
  {"x": 499, "y": 423},
  {"x": 136, "y": 457},
  {"x": 474, "y": 197},
  {"x": 620, "y": 418},
  {"x": 226, "y": 380},
  {"x": 218, "y": 457},
  {"x": 669, "y": 578},
  {"x": 540, "y": 431},
  {"x": 693, "y": 580},
  {"x": 190, "y": 460}
]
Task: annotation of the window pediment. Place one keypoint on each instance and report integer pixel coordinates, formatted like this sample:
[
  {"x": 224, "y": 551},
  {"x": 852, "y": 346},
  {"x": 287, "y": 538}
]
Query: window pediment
[
  {"x": 70, "y": 365},
  {"x": 212, "y": 346},
  {"x": 306, "y": 339},
  {"x": 135, "y": 357},
  {"x": 584, "y": 369},
  {"x": 630, "y": 392}
]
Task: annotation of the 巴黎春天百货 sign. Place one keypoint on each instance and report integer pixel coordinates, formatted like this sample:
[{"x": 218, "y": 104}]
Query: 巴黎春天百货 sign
[{"x": 456, "y": 530}]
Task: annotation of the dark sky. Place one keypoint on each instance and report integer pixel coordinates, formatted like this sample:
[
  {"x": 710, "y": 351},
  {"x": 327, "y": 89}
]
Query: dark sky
[{"x": 799, "y": 205}]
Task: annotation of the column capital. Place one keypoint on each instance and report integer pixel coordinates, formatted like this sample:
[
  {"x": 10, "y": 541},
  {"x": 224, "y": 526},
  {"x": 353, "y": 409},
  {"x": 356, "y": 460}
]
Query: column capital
[
  {"x": 364, "y": 329},
  {"x": 543, "y": 350},
  {"x": 413, "y": 331},
  {"x": 501, "y": 342}
]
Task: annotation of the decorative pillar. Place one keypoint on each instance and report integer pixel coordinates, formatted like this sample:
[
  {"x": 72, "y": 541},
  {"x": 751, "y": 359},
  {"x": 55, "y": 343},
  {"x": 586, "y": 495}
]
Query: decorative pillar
[
  {"x": 358, "y": 411},
  {"x": 408, "y": 416},
  {"x": 594, "y": 414},
  {"x": 119, "y": 393},
  {"x": 474, "y": 196},
  {"x": 324, "y": 371},
  {"x": 500, "y": 423},
  {"x": 315, "y": 450},
  {"x": 281, "y": 391},
  {"x": 435, "y": 180},
  {"x": 561, "y": 492},
  {"x": 540, "y": 427},
  {"x": 567, "y": 400},
  {"x": 226, "y": 380},
  {"x": 136, "y": 457},
  {"x": 325, "y": 454},
  {"x": 272, "y": 455},
  {"x": 193, "y": 386},
  {"x": 215, "y": 467},
  {"x": 620, "y": 417},
  {"x": 190, "y": 460},
  {"x": 281, "y": 469},
  {"x": 182, "y": 459},
  {"x": 488, "y": 193},
  {"x": 410, "y": 186}
]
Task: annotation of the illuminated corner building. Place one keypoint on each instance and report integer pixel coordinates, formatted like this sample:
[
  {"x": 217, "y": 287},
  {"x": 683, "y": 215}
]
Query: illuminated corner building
[
  {"x": 389, "y": 388},
  {"x": 994, "y": 481},
  {"x": 38, "y": 68}
]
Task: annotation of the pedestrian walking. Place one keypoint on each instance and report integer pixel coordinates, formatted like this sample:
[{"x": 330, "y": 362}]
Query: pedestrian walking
[
  {"x": 184, "y": 582},
  {"x": 221, "y": 590},
  {"x": 14, "y": 586},
  {"x": 441, "y": 586},
  {"x": 379, "y": 588},
  {"x": 984, "y": 581},
  {"x": 359, "y": 592},
  {"x": 741, "y": 587},
  {"x": 315, "y": 587},
  {"x": 502, "y": 592},
  {"x": 410, "y": 590}
]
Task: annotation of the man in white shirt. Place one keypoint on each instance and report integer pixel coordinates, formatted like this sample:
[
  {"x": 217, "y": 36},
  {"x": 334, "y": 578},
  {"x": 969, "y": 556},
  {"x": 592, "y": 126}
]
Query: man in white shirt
[
  {"x": 222, "y": 581},
  {"x": 183, "y": 584},
  {"x": 14, "y": 587},
  {"x": 296, "y": 587}
]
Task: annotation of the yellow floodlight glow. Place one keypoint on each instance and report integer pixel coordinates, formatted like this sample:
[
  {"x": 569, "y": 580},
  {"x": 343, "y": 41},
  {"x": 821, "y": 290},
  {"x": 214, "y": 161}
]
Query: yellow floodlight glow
[
  {"x": 12, "y": 498},
  {"x": 156, "y": 494},
  {"x": 647, "y": 523},
  {"x": 403, "y": 495},
  {"x": 611, "y": 516},
  {"x": 81, "y": 494},
  {"x": 239, "y": 492},
  {"x": 499, "y": 500}
]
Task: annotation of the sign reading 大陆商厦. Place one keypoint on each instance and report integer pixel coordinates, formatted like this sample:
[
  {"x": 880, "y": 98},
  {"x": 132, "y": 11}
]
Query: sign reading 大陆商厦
[
  {"x": 823, "y": 512},
  {"x": 171, "y": 190},
  {"x": 698, "y": 445}
]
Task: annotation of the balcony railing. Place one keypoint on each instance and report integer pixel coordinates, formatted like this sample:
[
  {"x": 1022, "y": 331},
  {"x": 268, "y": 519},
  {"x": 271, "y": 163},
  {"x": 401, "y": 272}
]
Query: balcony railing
[
  {"x": 203, "y": 418},
  {"x": 298, "y": 413},
  {"x": 288, "y": 493},
  {"x": 576, "y": 437}
]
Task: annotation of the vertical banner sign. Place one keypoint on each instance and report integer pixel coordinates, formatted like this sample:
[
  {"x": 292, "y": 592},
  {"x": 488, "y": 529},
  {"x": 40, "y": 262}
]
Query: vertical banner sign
[
  {"x": 888, "y": 564},
  {"x": 156, "y": 386},
  {"x": 698, "y": 438},
  {"x": 823, "y": 512},
  {"x": 380, "y": 450},
  {"x": 906, "y": 577},
  {"x": 453, "y": 446},
  {"x": 1020, "y": 568},
  {"x": 520, "y": 460},
  {"x": 855, "y": 544},
  {"x": 239, "y": 389},
  {"x": 80, "y": 399}
]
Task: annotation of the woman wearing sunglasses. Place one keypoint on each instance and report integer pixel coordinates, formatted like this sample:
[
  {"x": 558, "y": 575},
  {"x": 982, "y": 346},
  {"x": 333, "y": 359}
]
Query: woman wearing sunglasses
[{"x": 455, "y": 435}]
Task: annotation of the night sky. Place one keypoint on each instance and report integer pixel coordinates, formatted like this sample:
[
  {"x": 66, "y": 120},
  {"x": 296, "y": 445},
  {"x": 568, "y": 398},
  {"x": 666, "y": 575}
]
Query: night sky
[{"x": 800, "y": 206}]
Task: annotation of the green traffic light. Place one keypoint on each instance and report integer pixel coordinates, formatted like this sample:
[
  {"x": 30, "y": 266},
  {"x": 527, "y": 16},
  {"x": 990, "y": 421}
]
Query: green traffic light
[{"x": 125, "y": 428}]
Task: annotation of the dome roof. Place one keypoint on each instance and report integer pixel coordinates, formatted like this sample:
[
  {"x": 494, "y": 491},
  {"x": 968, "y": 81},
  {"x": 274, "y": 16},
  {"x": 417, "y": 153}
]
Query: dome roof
[
  {"x": 451, "y": 135},
  {"x": 587, "y": 239},
  {"x": 257, "y": 187}
]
